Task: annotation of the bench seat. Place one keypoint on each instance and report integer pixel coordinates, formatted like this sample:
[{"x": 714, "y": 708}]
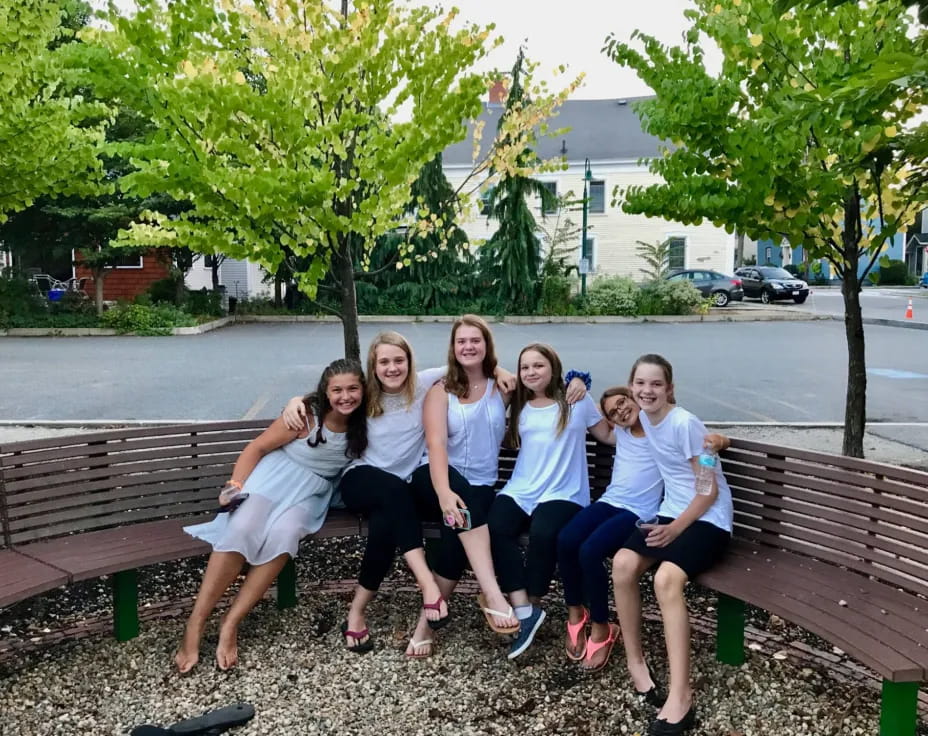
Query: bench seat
[
  {"x": 881, "y": 626},
  {"x": 22, "y": 577}
]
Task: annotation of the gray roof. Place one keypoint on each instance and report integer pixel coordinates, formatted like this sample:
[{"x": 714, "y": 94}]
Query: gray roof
[{"x": 603, "y": 130}]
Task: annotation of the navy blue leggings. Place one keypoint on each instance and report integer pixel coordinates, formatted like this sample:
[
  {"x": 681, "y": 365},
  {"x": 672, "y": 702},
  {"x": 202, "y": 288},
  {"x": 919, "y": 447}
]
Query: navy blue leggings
[{"x": 597, "y": 532}]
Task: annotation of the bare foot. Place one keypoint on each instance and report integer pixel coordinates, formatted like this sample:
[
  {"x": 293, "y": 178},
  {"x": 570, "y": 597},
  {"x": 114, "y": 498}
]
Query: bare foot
[
  {"x": 227, "y": 650},
  {"x": 356, "y": 623},
  {"x": 576, "y": 651},
  {"x": 641, "y": 676},
  {"x": 420, "y": 644},
  {"x": 189, "y": 652},
  {"x": 499, "y": 603}
]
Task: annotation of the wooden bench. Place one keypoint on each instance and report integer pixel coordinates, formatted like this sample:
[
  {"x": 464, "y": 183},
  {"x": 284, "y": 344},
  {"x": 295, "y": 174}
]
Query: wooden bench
[{"x": 837, "y": 545}]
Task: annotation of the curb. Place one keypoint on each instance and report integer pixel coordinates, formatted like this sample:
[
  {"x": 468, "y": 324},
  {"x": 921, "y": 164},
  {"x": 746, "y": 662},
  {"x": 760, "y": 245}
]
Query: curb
[{"x": 104, "y": 332}]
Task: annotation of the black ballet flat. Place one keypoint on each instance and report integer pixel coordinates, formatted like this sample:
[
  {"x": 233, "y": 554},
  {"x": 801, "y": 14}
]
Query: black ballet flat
[
  {"x": 655, "y": 696},
  {"x": 662, "y": 727}
]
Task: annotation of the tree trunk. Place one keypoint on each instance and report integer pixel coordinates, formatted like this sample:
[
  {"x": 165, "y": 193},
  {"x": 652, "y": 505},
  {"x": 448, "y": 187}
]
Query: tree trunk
[
  {"x": 214, "y": 268},
  {"x": 855, "y": 406},
  {"x": 739, "y": 249},
  {"x": 98, "y": 277},
  {"x": 278, "y": 300},
  {"x": 345, "y": 275}
]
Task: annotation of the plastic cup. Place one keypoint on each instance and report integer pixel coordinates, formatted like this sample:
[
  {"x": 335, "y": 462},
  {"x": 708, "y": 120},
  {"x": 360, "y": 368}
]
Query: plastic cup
[{"x": 643, "y": 523}]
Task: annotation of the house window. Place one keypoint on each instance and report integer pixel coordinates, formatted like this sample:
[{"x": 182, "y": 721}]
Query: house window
[
  {"x": 128, "y": 260},
  {"x": 591, "y": 261},
  {"x": 598, "y": 196},
  {"x": 676, "y": 254},
  {"x": 551, "y": 186},
  {"x": 768, "y": 255},
  {"x": 485, "y": 201}
]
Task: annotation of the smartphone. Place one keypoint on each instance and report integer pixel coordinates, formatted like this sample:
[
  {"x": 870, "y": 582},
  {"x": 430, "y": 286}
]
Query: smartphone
[
  {"x": 467, "y": 523},
  {"x": 236, "y": 501}
]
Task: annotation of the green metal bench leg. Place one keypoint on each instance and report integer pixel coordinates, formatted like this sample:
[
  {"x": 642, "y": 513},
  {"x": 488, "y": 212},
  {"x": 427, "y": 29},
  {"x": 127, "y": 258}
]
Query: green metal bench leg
[
  {"x": 899, "y": 711},
  {"x": 729, "y": 635},
  {"x": 126, "y": 605},
  {"x": 286, "y": 586}
]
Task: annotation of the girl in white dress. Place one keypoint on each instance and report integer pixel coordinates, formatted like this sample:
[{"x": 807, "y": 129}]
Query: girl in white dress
[{"x": 288, "y": 477}]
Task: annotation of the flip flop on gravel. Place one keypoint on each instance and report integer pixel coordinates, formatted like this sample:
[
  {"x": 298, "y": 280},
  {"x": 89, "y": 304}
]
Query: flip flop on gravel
[
  {"x": 573, "y": 636},
  {"x": 594, "y": 646},
  {"x": 489, "y": 613},
  {"x": 439, "y": 623},
  {"x": 415, "y": 649},
  {"x": 362, "y": 647}
]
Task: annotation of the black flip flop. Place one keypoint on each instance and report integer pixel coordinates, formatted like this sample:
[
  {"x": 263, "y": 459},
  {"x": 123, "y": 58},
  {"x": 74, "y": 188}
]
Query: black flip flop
[
  {"x": 360, "y": 647},
  {"x": 212, "y": 722}
]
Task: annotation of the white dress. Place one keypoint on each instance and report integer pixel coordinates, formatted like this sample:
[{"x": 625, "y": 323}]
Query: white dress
[{"x": 290, "y": 492}]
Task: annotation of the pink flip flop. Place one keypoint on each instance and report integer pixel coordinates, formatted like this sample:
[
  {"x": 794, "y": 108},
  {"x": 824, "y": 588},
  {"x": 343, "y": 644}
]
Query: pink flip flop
[
  {"x": 594, "y": 646},
  {"x": 573, "y": 634},
  {"x": 436, "y": 606}
]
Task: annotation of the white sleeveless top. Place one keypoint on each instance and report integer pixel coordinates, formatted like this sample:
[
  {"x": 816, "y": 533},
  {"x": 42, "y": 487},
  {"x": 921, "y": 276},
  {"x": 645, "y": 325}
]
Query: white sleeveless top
[{"x": 475, "y": 432}]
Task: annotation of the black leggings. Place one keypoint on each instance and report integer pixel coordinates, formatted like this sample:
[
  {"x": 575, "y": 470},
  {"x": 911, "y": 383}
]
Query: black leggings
[
  {"x": 507, "y": 523},
  {"x": 387, "y": 503},
  {"x": 451, "y": 560}
]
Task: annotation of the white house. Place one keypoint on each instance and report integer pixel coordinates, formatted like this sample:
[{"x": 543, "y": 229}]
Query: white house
[
  {"x": 608, "y": 133},
  {"x": 241, "y": 278}
]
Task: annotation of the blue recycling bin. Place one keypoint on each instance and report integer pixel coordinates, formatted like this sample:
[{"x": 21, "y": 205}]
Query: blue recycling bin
[{"x": 54, "y": 295}]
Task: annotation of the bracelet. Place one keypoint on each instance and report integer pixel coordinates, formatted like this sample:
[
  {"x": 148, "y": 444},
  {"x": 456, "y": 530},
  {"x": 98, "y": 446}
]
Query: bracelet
[{"x": 585, "y": 377}]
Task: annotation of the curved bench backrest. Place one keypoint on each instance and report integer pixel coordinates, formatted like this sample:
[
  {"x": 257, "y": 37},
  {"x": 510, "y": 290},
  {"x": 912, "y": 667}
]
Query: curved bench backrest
[
  {"x": 859, "y": 514},
  {"x": 58, "y": 486}
]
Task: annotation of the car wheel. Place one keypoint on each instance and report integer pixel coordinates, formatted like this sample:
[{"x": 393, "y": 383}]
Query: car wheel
[
  {"x": 800, "y": 300},
  {"x": 765, "y": 297},
  {"x": 720, "y": 298}
]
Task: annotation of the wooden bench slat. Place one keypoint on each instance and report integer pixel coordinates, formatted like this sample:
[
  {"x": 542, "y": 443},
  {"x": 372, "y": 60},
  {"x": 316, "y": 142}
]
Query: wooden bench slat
[
  {"x": 832, "y": 495},
  {"x": 117, "y": 460},
  {"x": 770, "y": 535},
  {"x": 120, "y": 447},
  {"x": 23, "y": 577},
  {"x": 76, "y": 476},
  {"x": 753, "y": 581},
  {"x": 202, "y": 430},
  {"x": 169, "y": 480},
  {"x": 904, "y": 475},
  {"x": 879, "y": 536},
  {"x": 863, "y": 596},
  {"x": 910, "y": 488}
]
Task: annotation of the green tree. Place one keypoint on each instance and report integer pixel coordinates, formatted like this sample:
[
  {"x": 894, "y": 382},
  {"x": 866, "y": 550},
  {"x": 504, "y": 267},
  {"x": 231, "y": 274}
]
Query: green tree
[
  {"x": 760, "y": 149},
  {"x": 279, "y": 120},
  {"x": 512, "y": 255},
  {"x": 49, "y": 135}
]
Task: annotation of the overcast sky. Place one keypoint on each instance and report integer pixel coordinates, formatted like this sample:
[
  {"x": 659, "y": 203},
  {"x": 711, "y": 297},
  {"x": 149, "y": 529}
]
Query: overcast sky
[{"x": 573, "y": 32}]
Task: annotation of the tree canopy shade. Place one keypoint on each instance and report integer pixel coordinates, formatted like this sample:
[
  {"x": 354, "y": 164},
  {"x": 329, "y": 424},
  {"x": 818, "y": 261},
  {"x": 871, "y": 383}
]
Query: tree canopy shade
[
  {"x": 48, "y": 133},
  {"x": 279, "y": 121},
  {"x": 762, "y": 147}
]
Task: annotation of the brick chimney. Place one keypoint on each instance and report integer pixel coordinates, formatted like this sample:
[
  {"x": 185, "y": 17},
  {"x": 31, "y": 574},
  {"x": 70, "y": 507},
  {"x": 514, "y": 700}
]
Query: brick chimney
[{"x": 498, "y": 92}]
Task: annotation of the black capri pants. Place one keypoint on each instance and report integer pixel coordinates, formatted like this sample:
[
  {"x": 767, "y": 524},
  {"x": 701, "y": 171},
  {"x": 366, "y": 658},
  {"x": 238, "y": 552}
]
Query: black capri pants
[
  {"x": 386, "y": 501},
  {"x": 507, "y": 523},
  {"x": 451, "y": 560}
]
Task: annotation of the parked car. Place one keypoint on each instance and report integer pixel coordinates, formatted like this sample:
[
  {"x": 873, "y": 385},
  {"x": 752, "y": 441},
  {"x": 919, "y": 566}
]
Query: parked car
[
  {"x": 721, "y": 288},
  {"x": 924, "y": 281},
  {"x": 771, "y": 283}
]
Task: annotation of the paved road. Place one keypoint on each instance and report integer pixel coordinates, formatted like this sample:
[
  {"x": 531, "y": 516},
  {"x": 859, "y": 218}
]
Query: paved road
[
  {"x": 881, "y": 303},
  {"x": 774, "y": 371}
]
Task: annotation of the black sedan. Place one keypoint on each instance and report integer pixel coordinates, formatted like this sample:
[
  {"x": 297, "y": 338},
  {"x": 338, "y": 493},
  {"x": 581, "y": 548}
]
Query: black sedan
[
  {"x": 770, "y": 283},
  {"x": 721, "y": 288}
]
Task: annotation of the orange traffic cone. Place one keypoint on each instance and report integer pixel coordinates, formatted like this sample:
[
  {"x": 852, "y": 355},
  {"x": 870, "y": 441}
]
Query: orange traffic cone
[{"x": 908, "y": 311}]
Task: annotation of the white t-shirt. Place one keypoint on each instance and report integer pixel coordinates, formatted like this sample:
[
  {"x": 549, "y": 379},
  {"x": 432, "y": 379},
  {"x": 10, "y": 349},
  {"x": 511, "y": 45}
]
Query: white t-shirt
[
  {"x": 396, "y": 439},
  {"x": 677, "y": 438},
  {"x": 636, "y": 482},
  {"x": 475, "y": 432},
  {"x": 551, "y": 466}
]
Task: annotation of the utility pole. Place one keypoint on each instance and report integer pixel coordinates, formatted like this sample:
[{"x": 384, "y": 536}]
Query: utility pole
[{"x": 585, "y": 243}]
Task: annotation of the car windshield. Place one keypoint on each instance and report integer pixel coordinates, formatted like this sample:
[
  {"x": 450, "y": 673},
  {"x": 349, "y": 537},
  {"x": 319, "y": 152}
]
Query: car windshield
[{"x": 776, "y": 273}]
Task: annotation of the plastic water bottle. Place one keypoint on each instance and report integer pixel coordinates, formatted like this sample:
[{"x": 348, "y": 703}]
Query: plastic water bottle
[{"x": 708, "y": 462}]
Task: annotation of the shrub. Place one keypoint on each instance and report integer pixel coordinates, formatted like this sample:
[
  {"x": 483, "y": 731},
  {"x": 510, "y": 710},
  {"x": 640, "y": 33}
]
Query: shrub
[
  {"x": 140, "y": 319},
  {"x": 894, "y": 273},
  {"x": 613, "y": 295},
  {"x": 669, "y": 297},
  {"x": 18, "y": 299},
  {"x": 555, "y": 295},
  {"x": 168, "y": 291},
  {"x": 204, "y": 302}
]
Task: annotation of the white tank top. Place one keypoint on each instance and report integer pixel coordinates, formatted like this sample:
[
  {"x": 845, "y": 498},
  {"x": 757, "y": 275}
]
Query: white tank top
[{"x": 475, "y": 432}]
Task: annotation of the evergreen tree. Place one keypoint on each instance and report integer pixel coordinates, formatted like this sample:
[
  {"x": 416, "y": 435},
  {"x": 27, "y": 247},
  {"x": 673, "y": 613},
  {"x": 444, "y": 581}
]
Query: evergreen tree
[{"x": 512, "y": 256}]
